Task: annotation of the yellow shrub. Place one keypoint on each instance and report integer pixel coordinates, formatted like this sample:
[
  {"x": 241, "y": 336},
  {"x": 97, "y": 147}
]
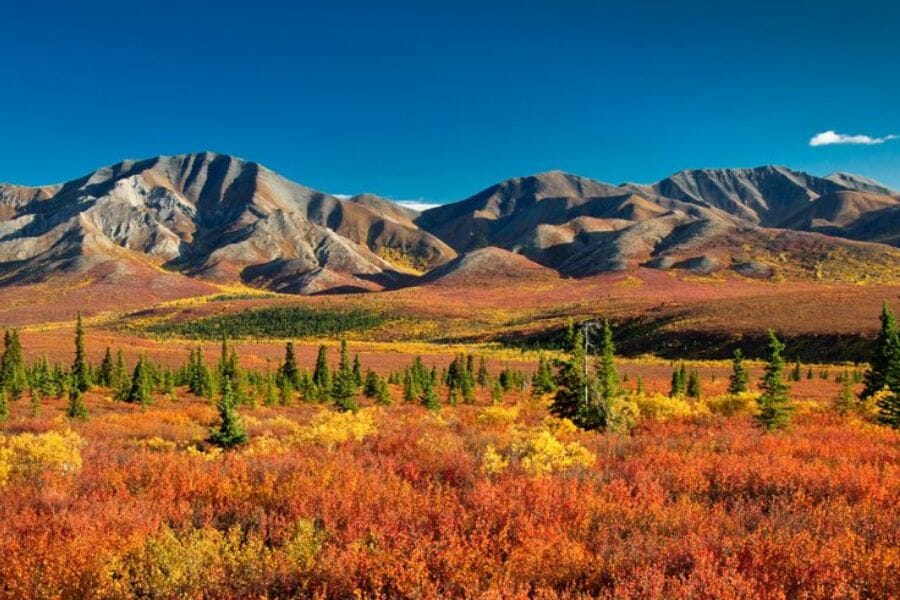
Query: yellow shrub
[
  {"x": 185, "y": 564},
  {"x": 498, "y": 415},
  {"x": 306, "y": 543},
  {"x": 541, "y": 453},
  {"x": 30, "y": 455},
  {"x": 538, "y": 451},
  {"x": 330, "y": 428},
  {"x": 558, "y": 426},
  {"x": 663, "y": 408},
  {"x": 732, "y": 404},
  {"x": 156, "y": 444},
  {"x": 492, "y": 462},
  {"x": 868, "y": 408}
]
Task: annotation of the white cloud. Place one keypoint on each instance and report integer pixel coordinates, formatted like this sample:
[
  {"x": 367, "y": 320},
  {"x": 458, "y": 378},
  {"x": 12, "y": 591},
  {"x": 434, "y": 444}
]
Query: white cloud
[
  {"x": 831, "y": 137},
  {"x": 343, "y": 196},
  {"x": 420, "y": 206}
]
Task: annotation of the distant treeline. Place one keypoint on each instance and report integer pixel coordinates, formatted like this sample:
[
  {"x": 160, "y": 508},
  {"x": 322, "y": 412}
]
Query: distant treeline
[{"x": 275, "y": 321}]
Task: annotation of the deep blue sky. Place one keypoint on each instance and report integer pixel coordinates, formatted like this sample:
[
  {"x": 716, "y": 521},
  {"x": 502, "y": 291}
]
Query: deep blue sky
[{"x": 434, "y": 101}]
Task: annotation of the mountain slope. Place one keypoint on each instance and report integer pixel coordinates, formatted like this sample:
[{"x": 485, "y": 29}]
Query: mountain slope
[
  {"x": 216, "y": 217},
  {"x": 770, "y": 196}
]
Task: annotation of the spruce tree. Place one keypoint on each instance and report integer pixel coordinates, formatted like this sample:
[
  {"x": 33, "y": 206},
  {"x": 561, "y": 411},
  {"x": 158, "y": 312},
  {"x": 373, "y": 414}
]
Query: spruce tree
[
  {"x": 140, "y": 391},
  {"x": 383, "y": 395},
  {"x": 679, "y": 385},
  {"x": 739, "y": 379},
  {"x": 572, "y": 383},
  {"x": 357, "y": 371},
  {"x": 844, "y": 402},
  {"x": 483, "y": 376},
  {"x": 120, "y": 371},
  {"x": 322, "y": 374},
  {"x": 496, "y": 392},
  {"x": 796, "y": 372},
  {"x": 270, "y": 393},
  {"x": 884, "y": 369},
  {"x": 775, "y": 406},
  {"x": 693, "y": 385},
  {"x": 372, "y": 381},
  {"x": 428, "y": 398},
  {"x": 607, "y": 377},
  {"x": 230, "y": 432},
  {"x": 889, "y": 409},
  {"x": 76, "y": 408},
  {"x": 13, "y": 375},
  {"x": 79, "y": 365},
  {"x": 343, "y": 386},
  {"x": 105, "y": 373},
  {"x": 4, "y": 405},
  {"x": 289, "y": 368}
]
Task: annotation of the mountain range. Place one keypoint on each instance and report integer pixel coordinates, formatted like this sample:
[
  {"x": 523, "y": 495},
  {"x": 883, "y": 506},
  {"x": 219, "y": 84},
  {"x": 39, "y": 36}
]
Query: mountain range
[{"x": 218, "y": 218}]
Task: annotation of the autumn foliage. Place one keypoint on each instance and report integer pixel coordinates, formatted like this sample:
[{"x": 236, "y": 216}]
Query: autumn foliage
[{"x": 466, "y": 501}]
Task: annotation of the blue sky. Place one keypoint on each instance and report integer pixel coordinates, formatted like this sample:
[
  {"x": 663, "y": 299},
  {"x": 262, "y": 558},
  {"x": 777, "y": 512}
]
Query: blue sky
[{"x": 434, "y": 101}]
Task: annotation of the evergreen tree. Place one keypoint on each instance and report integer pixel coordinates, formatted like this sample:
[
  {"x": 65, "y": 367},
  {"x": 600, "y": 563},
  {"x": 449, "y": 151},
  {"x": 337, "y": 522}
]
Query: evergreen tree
[
  {"x": 679, "y": 383},
  {"x": 639, "y": 386},
  {"x": 76, "y": 408},
  {"x": 483, "y": 377},
  {"x": 496, "y": 393},
  {"x": 796, "y": 372},
  {"x": 428, "y": 398},
  {"x": 884, "y": 369},
  {"x": 383, "y": 395},
  {"x": 344, "y": 389},
  {"x": 605, "y": 370},
  {"x": 119, "y": 371},
  {"x": 569, "y": 334},
  {"x": 79, "y": 365},
  {"x": 140, "y": 391},
  {"x": 105, "y": 373},
  {"x": 289, "y": 368},
  {"x": 809, "y": 374},
  {"x": 693, "y": 385},
  {"x": 542, "y": 382},
  {"x": 270, "y": 393},
  {"x": 573, "y": 386},
  {"x": 889, "y": 409},
  {"x": 36, "y": 397},
  {"x": 322, "y": 374},
  {"x": 4, "y": 405},
  {"x": 230, "y": 432},
  {"x": 286, "y": 392},
  {"x": 357, "y": 371},
  {"x": 372, "y": 382},
  {"x": 774, "y": 402},
  {"x": 844, "y": 403},
  {"x": 739, "y": 379},
  {"x": 13, "y": 375}
]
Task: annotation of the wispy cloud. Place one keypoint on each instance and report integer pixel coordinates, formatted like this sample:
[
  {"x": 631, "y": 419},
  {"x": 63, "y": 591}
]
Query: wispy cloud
[{"x": 831, "y": 138}]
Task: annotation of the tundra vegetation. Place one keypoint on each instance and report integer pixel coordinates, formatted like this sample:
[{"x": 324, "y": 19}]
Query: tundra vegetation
[{"x": 579, "y": 476}]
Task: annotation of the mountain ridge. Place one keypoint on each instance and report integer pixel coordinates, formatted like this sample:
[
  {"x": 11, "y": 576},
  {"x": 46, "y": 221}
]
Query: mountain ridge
[{"x": 223, "y": 219}]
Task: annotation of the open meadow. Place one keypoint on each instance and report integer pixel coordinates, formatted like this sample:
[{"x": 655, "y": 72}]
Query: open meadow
[{"x": 446, "y": 475}]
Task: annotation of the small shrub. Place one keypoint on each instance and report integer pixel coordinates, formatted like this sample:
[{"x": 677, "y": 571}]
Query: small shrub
[
  {"x": 331, "y": 428},
  {"x": 732, "y": 404},
  {"x": 31, "y": 455}
]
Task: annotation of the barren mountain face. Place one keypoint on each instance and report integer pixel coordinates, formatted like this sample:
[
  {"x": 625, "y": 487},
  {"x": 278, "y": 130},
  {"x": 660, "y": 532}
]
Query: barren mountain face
[
  {"x": 215, "y": 217},
  {"x": 222, "y": 219}
]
